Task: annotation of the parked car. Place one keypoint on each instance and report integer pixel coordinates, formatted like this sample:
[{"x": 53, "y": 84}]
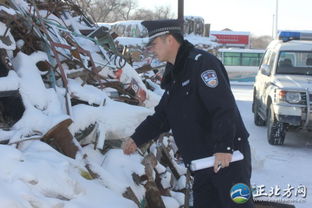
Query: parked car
[{"x": 282, "y": 97}]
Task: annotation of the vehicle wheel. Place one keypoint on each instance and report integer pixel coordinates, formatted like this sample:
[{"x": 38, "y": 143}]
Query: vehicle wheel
[
  {"x": 257, "y": 119},
  {"x": 276, "y": 130}
]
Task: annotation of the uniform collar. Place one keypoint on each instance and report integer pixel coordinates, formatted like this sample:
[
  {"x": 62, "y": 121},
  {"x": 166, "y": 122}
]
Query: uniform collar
[{"x": 172, "y": 72}]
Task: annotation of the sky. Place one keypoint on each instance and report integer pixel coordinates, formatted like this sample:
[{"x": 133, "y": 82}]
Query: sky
[{"x": 255, "y": 16}]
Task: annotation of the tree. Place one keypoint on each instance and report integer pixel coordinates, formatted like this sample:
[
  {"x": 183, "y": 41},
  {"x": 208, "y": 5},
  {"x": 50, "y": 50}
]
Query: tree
[
  {"x": 143, "y": 14},
  {"x": 105, "y": 10},
  {"x": 128, "y": 7},
  {"x": 162, "y": 12},
  {"x": 260, "y": 42},
  {"x": 85, "y": 6},
  {"x": 108, "y": 10},
  {"x": 117, "y": 10}
]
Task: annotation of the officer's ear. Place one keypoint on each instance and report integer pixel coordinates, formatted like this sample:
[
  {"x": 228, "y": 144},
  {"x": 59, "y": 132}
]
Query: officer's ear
[{"x": 171, "y": 40}]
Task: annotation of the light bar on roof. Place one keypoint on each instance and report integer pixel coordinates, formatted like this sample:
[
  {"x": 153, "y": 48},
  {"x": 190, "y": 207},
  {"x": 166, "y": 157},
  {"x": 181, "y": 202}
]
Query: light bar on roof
[{"x": 291, "y": 35}]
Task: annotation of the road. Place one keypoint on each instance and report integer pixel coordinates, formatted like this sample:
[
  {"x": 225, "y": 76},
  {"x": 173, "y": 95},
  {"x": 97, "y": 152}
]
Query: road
[{"x": 284, "y": 170}]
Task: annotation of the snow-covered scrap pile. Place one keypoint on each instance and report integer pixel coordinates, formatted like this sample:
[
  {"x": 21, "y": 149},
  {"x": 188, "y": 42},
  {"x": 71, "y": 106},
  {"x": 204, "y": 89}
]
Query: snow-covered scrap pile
[{"x": 67, "y": 97}]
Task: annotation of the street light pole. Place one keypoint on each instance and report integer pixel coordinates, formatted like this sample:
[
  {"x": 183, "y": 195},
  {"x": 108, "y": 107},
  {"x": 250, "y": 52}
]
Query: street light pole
[
  {"x": 276, "y": 19},
  {"x": 181, "y": 13},
  {"x": 273, "y": 26}
]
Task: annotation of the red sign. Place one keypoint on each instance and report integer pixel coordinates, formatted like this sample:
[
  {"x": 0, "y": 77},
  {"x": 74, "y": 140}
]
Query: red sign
[{"x": 232, "y": 39}]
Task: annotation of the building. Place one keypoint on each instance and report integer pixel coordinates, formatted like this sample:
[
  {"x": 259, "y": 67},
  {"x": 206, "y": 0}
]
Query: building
[{"x": 230, "y": 38}]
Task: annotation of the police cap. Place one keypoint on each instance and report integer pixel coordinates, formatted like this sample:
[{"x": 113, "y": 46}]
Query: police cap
[{"x": 157, "y": 28}]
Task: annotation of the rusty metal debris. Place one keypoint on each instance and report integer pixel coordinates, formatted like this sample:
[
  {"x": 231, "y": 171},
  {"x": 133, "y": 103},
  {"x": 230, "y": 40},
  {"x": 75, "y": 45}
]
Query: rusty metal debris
[
  {"x": 60, "y": 138},
  {"x": 48, "y": 26}
]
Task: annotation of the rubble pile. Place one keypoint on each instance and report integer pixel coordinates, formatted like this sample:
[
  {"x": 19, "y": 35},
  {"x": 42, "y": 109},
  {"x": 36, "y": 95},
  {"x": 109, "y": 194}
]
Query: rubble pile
[{"x": 61, "y": 78}]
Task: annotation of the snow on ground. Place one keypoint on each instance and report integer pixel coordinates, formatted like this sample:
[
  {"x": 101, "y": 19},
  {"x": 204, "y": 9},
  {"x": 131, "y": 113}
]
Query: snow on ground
[
  {"x": 277, "y": 166},
  {"x": 35, "y": 175}
]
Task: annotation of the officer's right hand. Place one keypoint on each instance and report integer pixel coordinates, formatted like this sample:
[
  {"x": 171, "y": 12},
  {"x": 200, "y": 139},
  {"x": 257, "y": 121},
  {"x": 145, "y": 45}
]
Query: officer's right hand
[
  {"x": 129, "y": 146},
  {"x": 222, "y": 160}
]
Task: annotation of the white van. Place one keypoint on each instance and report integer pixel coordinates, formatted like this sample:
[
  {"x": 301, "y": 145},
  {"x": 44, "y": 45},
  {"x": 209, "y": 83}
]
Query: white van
[{"x": 283, "y": 87}]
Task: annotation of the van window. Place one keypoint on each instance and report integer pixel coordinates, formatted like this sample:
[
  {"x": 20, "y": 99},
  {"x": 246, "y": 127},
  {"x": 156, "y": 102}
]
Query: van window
[
  {"x": 241, "y": 58},
  {"x": 266, "y": 57},
  {"x": 271, "y": 61},
  {"x": 295, "y": 62}
]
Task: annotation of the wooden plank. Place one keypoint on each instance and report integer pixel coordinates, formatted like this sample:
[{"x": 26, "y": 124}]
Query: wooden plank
[
  {"x": 129, "y": 194},
  {"x": 167, "y": 161},
  {"x": 153, "y": 196}
]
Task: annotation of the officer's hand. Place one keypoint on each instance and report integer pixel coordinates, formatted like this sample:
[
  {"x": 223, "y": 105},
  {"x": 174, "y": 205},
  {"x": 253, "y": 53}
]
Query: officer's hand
[
  {"x": 222, "y": 160},
  {"x": 129, "y": 146}
]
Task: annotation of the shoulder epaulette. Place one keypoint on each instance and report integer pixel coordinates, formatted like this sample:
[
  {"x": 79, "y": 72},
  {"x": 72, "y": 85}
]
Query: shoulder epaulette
[{"x": 195, "y": 54}]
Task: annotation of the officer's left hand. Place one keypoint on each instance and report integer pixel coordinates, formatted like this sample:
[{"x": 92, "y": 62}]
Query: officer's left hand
[
  {"x": 222, "y": 159},
  {"x": 129, "y": 146}
]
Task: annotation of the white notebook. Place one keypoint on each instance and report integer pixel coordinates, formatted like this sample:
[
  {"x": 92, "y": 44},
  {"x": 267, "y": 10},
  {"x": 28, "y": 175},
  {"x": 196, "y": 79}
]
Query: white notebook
[{"x": 208, "y": 162}]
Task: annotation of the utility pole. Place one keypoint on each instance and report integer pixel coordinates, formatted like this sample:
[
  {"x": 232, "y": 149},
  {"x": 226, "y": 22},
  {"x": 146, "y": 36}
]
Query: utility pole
[
  {"x": 181, "y": 13},
  {"x": 273, "y": 26},
  {"x": 276, "y": 19}
]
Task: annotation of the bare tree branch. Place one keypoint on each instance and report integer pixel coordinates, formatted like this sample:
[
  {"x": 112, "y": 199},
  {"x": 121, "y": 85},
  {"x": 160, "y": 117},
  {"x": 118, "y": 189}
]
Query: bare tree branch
[{"x": 116, "y": 10}]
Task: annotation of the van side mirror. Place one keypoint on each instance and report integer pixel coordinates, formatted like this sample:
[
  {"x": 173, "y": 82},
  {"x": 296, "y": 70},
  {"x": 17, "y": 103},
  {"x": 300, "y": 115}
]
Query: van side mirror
[{"x": 265, "y": 69}]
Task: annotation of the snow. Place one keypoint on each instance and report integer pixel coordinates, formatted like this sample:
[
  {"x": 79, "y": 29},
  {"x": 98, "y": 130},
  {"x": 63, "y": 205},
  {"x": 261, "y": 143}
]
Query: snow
[
  {"x": 4, "y": 34},
  {"x": 38, "y": 176},
  {"x": 241, "y": 50},
  {"x": 123, "y": 168},
  {"x": 157, "y": 89},
  {"x": 8, "y": 10},
  {"x": 10, "y": 82},
  {"x": 128, "y": 22},
  {"x": 193, "y": 17},
  {"x": 160, "y": 168},
  {"x": 129, "y": 41},
  {"x": 201, "y": 41},
  {"x": 165, "y": 180},
  {"x": 178, "y": 196},
  {"x": 194, "y": 39},
  {"x": 87, "y": 92},
  {"x": 181, "y": 184},
  {"x": 100, "y": 24},
  {"x": 42, "y": 106},
  {"x": 170, "y": 202},
  {"x": 119, "y": 119},
  {"x": 229, "y": 33},
  {"x": 32, "y": 85}
]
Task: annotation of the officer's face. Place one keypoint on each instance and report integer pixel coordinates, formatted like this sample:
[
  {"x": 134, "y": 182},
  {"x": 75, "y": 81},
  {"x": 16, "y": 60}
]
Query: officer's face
[{"x": 159, "y": 47}]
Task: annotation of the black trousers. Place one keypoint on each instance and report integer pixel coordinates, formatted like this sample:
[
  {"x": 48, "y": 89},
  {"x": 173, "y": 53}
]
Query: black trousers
[{"x": 212, "y": 190}]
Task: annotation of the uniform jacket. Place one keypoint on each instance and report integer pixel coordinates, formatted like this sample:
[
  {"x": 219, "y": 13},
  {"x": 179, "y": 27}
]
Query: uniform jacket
[{"x": 197, "y": 105}]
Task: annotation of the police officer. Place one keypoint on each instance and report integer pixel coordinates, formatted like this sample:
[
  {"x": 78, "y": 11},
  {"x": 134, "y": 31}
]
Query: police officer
[{"x": 200, "y": 109}]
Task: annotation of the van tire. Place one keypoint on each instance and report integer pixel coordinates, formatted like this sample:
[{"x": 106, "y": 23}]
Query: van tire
[
  {"x": 276, "y": 130},
  {"x": 257, "y": 118}
]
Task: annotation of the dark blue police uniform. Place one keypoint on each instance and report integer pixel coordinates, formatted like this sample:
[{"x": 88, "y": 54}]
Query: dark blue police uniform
[{"x": 200, "y": 109}]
